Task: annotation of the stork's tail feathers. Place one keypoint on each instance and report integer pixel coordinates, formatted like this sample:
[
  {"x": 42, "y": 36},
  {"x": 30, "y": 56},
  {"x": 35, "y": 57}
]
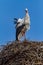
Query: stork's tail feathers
[{"x": 15, "y": 20}]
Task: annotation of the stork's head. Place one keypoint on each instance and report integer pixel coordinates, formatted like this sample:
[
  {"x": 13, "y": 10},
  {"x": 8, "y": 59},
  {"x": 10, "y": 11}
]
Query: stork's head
[{"x": 26, "y": 10}]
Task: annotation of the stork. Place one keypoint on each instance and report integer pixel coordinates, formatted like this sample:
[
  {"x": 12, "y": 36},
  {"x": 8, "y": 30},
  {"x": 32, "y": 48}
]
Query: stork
[{"x": 22, "y": 25}]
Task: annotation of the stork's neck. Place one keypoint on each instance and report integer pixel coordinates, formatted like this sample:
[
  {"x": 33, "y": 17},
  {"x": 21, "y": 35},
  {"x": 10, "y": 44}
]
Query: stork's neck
[{"x": 27, "y": 14}]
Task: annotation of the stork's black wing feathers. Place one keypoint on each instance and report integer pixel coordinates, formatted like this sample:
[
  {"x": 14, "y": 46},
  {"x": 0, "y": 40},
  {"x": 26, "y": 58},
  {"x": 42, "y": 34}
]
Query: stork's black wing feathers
[{"x": 15, "y": 20}]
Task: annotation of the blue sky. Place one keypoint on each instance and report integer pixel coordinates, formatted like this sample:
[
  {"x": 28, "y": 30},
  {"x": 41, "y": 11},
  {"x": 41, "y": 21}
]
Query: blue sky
[{"x": 15, "y": 8}]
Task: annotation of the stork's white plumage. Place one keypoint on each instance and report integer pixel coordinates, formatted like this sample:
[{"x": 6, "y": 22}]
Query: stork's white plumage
[
  {"x": 27, "y": 20},
  {"x": 22, "y": 25},
  {"x": 20, "y": 22}
]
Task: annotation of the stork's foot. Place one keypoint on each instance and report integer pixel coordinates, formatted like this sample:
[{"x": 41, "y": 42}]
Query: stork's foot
[{"x": 17, "y": 41}]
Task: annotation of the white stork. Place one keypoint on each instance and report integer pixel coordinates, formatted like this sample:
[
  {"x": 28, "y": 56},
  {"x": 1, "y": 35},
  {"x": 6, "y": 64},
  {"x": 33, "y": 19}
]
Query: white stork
[{"x": 22, "y": 25}]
